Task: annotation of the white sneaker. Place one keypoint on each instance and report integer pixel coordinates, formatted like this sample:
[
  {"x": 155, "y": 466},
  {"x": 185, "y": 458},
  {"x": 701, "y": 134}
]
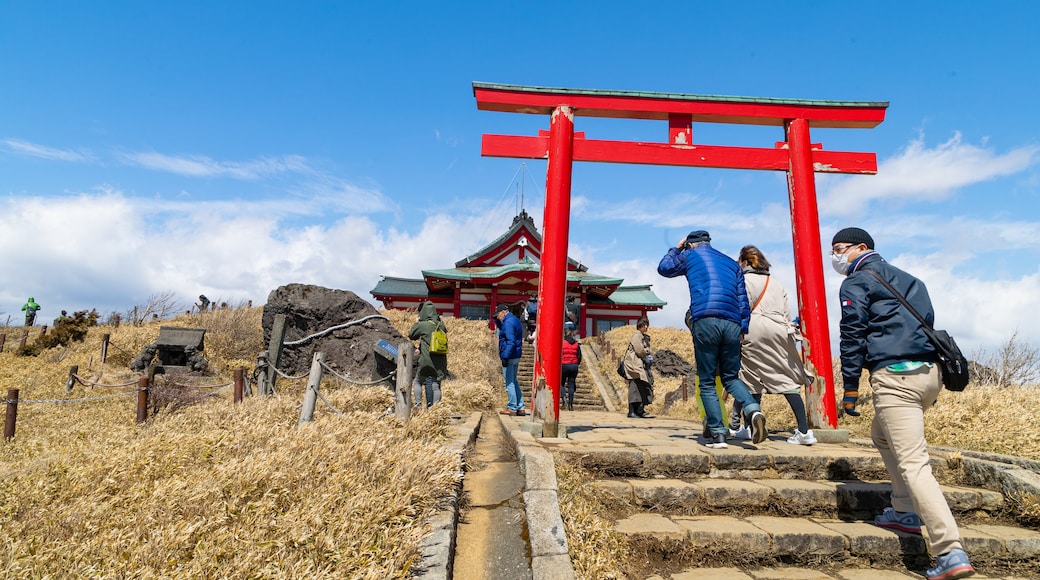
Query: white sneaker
[
  {"x": 800, "y": 438},
  {"x": 743, "y": 433}
]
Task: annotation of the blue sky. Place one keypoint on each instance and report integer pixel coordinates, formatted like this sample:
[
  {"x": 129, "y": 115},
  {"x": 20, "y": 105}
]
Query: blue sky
[{"x": 228, "y": 148}]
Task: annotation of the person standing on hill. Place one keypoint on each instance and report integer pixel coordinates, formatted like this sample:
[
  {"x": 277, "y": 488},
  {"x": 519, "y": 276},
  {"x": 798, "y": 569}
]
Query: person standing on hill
[
  {"x": 879, "y": 334},
  {"x": 433, "y": 367},
  {"x": 30, "y": 308},
  {"x": 510, "y": 349},
  {"x": 637, "y": 370},
  {"x": 769, "y": 358},
  {"x": 570, "y": 362},
  {"x": 719, "y": 316}
]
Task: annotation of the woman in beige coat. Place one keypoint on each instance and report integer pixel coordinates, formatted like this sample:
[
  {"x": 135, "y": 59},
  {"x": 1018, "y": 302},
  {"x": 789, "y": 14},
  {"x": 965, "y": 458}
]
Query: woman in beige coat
[
  {"x": 769, "y": 357},
  {"x": 637, "y": 370}
]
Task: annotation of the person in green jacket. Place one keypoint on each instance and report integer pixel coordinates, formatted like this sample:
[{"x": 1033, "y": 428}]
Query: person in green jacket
[
  {"x": 30, "y": 309},
  {"x": 433, "y": 368}
]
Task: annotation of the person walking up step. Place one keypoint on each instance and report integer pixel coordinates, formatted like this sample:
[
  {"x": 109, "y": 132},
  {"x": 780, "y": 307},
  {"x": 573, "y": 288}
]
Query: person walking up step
[
  {"x": 879, "y": 334},
  {"x": 719, "y": 315}
]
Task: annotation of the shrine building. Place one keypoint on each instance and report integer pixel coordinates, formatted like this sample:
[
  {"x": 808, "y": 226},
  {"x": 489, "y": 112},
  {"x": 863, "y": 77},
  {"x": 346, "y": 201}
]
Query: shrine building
[{"x": 507, "y": 271}]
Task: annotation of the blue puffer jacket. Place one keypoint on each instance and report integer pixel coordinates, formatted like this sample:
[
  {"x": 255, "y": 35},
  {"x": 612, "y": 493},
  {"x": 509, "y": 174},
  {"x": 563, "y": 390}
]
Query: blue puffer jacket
[
  {"x": 876, "y": 330},
  {"x": 716, "y": 283},
  {"x": 510, "y": 337}
]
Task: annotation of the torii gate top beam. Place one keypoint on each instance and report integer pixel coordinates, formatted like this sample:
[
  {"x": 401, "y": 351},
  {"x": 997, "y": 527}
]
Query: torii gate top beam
[{"x": 660, "y": 106}]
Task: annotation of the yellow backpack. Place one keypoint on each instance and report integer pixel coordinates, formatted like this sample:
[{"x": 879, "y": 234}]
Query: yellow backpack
[{"x": 439, "y": 341}]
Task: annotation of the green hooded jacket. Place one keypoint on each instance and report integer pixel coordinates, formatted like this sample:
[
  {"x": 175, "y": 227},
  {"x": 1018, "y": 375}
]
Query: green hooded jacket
[
  {"x": 31, "y": 306},
  {"x": 435, "y": 365}
]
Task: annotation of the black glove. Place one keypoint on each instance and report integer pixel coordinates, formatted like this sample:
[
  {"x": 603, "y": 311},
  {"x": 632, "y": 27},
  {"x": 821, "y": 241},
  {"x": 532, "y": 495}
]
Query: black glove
[{"x": 505, "y": 363}]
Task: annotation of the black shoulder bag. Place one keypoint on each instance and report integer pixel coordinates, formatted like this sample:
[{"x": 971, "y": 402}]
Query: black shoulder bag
[{"x": 953, "y": 364}]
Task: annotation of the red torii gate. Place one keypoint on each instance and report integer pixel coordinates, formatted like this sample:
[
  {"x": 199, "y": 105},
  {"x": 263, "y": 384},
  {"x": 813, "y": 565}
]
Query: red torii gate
[{"x": 796, "y": 155}]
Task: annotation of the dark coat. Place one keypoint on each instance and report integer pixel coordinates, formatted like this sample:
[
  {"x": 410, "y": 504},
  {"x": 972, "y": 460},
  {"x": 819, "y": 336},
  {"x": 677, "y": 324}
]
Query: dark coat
[
  {"x": 435, "y": 365},
  {"x": 876, "y": 330},
  {"x": 716, "y": 283},
  {"x": 510, "y": 337}
]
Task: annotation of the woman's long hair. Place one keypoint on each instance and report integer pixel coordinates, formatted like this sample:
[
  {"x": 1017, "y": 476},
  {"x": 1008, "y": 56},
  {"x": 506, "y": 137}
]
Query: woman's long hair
[{"x": 754, "y": 257}]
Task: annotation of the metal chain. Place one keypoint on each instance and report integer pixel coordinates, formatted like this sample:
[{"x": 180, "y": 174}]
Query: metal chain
[
  {"x": 352, "y": 381},
  {"x": 326, "y": 401},
  {"x": 332, "y": 328},
  {"x": 291, "y": 378},
  {"x": 20, "y": 401},
  {"x": 90, "y": 383},
  {"x": 220, "y": 386}
]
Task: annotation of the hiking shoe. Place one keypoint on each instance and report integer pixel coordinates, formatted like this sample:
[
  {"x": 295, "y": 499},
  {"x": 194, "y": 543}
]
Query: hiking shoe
[
  {"x": 952, "y": 564},
  {"x": 903, "y": 521},
  {"x": 742, "y": 433},
  {"x": 717, "y": 441},
  {"x": 758, "y": 427},
  {"x": 800, "y": 438}
]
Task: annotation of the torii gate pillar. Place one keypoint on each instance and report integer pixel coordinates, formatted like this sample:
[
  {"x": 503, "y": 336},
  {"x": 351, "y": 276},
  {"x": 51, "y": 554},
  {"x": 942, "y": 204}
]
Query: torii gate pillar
[{"x": 796, "y": 155}]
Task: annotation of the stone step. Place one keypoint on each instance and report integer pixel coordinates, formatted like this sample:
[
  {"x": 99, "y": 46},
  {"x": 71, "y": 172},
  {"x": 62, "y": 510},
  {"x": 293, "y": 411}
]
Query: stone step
[
  {"x": 763, "y": 540},
  {"x": 857, "y": 499}
]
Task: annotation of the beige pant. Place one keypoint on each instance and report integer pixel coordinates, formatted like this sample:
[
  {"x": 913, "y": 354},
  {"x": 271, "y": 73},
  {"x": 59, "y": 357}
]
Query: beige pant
[{"x": 900, "y": 400}]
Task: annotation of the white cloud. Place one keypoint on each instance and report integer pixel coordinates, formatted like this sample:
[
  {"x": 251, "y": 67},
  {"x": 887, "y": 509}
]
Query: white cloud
[
  {"x": 203, "y": 166},
  {"x": 44, "y": 152},
  {"x": 918, "y": 173}
]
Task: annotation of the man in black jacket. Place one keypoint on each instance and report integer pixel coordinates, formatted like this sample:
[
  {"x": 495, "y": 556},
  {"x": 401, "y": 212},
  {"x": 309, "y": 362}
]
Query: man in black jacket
[{"x": 880, "y": 335}]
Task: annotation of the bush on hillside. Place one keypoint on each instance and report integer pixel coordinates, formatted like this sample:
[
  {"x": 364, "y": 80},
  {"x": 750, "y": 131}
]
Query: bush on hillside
[{"x": 65, "y": 331}]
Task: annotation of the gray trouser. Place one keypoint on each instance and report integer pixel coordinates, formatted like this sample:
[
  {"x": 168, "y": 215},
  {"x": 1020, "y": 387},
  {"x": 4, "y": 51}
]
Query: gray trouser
[{"x": 900, "y": 400}]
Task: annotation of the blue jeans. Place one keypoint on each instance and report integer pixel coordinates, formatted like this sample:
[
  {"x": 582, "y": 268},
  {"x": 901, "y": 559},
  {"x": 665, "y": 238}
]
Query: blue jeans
[
  {"x": 433, "y": 391},
  {"x": 716, "y": 344},
  {"x": 516, "y": 396}
]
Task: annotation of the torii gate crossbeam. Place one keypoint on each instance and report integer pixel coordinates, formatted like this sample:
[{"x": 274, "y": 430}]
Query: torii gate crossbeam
[{"x": 796, "y": 155}]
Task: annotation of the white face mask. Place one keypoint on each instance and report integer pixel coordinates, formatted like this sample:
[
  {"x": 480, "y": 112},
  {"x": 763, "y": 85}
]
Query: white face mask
[{"x": 840, "y": 263}]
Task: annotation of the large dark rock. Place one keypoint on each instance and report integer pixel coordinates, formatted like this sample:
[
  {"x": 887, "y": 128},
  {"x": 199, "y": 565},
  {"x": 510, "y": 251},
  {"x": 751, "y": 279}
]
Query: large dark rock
[{"x": 311, "y": 309}]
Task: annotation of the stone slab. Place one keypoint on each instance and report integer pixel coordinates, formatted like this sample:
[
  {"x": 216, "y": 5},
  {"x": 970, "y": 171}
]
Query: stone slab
[
  {"x": 789, "y": 574},
  {"x": 558, "y": 567},
  {"x": 654, "y": 525},
  {"x": 711, "y": 574},
  {"x": 538, "y": 468},
  {"x": 865, "y": 539},
  {"x": 544, "y": 523},
  {"x": 1019, "y": 542},
  {"x": 796, "y": 496},
  {"x": 614, "y": 489},
  {"x": 864, "y": 574},
  {"x": 667, "y": 493},
  {"x": 799, "y": 537},
  {"x": 725, "y": 534},
  {"x": 734, "y": 493},
  {"x": 617, "y": 461},
  {"x": 831, "y": 435},
  {"x": 674, "y": 464}
]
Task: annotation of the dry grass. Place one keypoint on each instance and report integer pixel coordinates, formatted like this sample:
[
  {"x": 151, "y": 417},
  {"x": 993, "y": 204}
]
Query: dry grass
[
  {"x": 219, "y": 490},
  {"x": 595, "y": 548}
]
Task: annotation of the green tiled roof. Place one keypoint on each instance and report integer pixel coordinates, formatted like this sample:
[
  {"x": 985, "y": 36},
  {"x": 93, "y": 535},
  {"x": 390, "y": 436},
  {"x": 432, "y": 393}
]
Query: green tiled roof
[
  {"x": 677, "y": 96},
  {"x": 525, "y": 265},
  {"x": 634, "y": 295},
  {"x": 390, "y": 286}
]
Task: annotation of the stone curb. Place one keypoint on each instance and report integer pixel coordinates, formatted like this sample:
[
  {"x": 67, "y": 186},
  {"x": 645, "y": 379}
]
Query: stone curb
[
  {"x": 438, "y": 548},
  {"x": 590, "y": 356},
  {"x": 550, "y": 559}
]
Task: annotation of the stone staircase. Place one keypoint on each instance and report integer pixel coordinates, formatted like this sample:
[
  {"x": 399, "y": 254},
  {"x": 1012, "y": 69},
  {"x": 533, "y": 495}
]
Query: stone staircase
[
  {"x": 586, "y": 395},
  {"x": 695, "y": 512}
]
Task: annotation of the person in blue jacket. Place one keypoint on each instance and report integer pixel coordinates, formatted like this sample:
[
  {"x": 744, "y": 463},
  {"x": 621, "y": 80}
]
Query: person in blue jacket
[
  {"x": 510, "y": 348},
  {"x": 719, "y": 316},
  {"x": 879, "y": 334}
]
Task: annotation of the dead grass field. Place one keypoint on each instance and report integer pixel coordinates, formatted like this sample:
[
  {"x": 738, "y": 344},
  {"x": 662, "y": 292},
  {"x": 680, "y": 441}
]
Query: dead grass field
[{"x": 217, "y": 490}]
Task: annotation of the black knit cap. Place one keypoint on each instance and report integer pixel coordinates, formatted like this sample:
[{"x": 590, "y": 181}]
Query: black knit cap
[
  {"x": 501, "y": 308},
  {"x": 697, "y": 236},
  {"x": 853, "y": 236}
]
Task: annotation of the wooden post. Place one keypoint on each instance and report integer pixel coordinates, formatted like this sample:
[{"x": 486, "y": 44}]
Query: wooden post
[
  {"x": 71, "y": 381},
  {"x": 3, "y": 339},
  {"x": 104, "y": 347},
  {"x": 274, "y": 352},
  {"x": 685, "y": 394},
  {"x": 115, "y": 321},
  {"x": 43, "y": 330},
  {"x": 240, "y": 374},
  {"x": 11, "y": 417},
  {"x": 142, "y": 400},
  {"x": 25, "y": 336},
  {"x": 310, "y": 396},
  {"x": 403, "y": 393},
  {"x": 261, "y": 375}
]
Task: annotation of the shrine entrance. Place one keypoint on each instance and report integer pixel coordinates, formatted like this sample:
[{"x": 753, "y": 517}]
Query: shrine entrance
[{"x": 796, "y": 155}]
